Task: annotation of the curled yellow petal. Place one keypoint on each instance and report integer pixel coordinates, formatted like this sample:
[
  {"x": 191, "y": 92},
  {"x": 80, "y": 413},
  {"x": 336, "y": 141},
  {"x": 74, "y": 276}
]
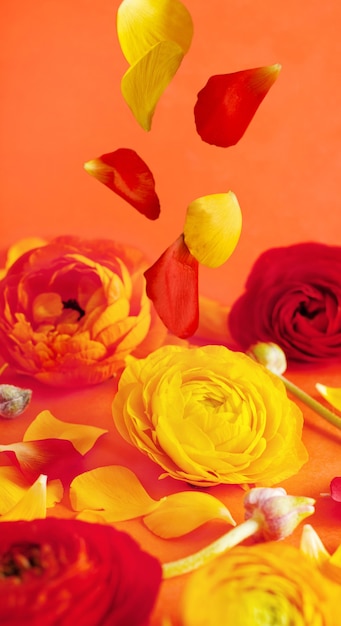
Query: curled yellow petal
[
  {"x": 141, "y": 24},
  {"x": 144, "y": 83},
  {"x": 180, "y": 513},
  {"x": 46, "y": 426},
  {"x": 113, "y": 491},
  {"x": 212, "y": 228},
  {"x": 331, "y": 394},
  {"x": 32, "y": 505}
]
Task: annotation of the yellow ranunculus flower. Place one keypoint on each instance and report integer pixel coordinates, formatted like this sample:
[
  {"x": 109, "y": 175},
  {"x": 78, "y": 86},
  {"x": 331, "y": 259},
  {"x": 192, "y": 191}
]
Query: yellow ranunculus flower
[
  {"x": 209, "y": 415},
  {"x": 266, "y": 584}
]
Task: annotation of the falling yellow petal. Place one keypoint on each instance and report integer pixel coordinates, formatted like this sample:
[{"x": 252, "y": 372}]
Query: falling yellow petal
[
  {"x": 180, "y": 513},
  {"x": 331, "y": 394},
  {"x": 212, "y": 228},
  {"x": 141, "y": 24},
  {"x": 46, "y": 426},
  {"x": 114, "y": 491},
  {"x": 144, "y": 83},
  {"x": 32, "y": 505}
]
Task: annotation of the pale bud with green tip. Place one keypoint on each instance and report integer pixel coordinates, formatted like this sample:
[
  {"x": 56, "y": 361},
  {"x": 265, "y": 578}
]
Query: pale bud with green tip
[{"x": 13, "y": 400}]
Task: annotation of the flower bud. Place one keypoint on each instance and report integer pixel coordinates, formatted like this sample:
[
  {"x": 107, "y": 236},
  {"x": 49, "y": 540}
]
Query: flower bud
[
  {"x": 13, "y": 400},
  {"x": 277, "y": 513},
  {"x": 270, "y": 355}
]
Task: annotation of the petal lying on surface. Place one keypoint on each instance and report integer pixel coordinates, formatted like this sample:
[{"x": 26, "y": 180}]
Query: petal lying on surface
[
  {"x": 172, "y": 285},
  {"x": 54, "y": 457},
  {"x": 144, "y": 83},
  {"x": 228, "y": 102},
  {"x": 32, "y": 505},
  {"x": 125, "y": 173},
  {"x": 143, "y": 23},
  {"x": 331, "y": 394},
  {"x": 212, "y": 228},
  {"x": 335, "y": 488},
  {"x": 112, "y": 491},
  {"x": 46, "y": 426},
  {"x": 14, "y": 486},
  {"x": 180, "y": 513}
]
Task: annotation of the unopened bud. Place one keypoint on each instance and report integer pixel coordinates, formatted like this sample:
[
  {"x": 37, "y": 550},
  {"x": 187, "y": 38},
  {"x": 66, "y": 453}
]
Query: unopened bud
[
  {"x": 270, "y": 355},
  {"x": 13, "y": 400},
  {"x": 277, "y": 513}
]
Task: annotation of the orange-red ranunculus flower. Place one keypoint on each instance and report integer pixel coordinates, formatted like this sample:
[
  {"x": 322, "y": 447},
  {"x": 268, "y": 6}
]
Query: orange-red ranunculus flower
[
  {"x": 71, "y": 311},
  {"x": 58, "y": 571}
]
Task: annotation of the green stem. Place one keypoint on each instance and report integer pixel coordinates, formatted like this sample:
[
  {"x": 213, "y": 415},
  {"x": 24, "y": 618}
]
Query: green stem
[
  {"x": 311, "y": 403},
  {"x": 226, "y": 542}
]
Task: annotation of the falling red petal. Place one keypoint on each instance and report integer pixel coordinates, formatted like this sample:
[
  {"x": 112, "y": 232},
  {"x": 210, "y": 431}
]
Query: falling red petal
[
  {"x": 335, "y": 489},
  {"x": 228, "y": 102},
  {"x": 172, "y": 285},
  {"x": 125, "y": 173}
]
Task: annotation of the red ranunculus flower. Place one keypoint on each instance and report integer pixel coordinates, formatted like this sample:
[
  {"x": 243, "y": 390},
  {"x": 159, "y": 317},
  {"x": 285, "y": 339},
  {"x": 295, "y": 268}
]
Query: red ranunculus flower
[
  {"x": 73, "y": 309},
  {"x": 67, "y": 572},
  {"x": 293, "y": 298}
]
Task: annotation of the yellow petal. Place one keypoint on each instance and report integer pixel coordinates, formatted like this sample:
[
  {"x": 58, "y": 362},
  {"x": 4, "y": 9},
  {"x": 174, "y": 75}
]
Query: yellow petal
[
  {"x": 180, "y": 513},
  {"x": 141, "y": 24},
  {"x": 312, "y": 546},
  {"x": 32, "y": 505},
  {"x": 19, "y": 248},
  {"x": 212, "y": 228},
  {"x": 331, "y": 394},
  {"x": 113, "y": 491},
  {"x": 46, "y": 426},
  {"x": 54, "y": 492},
  {"x": 144, "y": 83}
]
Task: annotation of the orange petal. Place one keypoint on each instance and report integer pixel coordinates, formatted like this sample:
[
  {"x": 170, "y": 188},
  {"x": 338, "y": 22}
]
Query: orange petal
[
  {"x": 125, "y": 173},
  {"x": 113, "y": 491},
  {"x": 228, "y": 102},
  {"x": 172, "y": 285},
  {"x": 180, "y": 513},
  {"x": 212, "y": 228},
  {"x": 46, "y": 426}
]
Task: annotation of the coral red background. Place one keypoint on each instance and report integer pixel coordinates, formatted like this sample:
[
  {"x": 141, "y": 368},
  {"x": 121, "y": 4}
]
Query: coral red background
[{"x": 61, "y": 106}]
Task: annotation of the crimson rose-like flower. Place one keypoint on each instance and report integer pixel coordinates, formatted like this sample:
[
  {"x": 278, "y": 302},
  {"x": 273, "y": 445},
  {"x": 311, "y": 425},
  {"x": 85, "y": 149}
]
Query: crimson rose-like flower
[
  {"x": 293, "y": 298},
  {"x": 58, "y": 571},
  {"x": 71, "y": 310}
]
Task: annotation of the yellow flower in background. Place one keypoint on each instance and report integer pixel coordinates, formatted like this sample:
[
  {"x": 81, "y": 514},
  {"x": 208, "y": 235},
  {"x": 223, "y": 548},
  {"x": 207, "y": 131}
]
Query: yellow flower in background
[
  {"x": 71, "y": 310},
  {"x": 154, "y": 36},
  {"x": 212, "y": 228},
  {"x": 260, "y": 585},
  {"x": 209, "y": 415}
]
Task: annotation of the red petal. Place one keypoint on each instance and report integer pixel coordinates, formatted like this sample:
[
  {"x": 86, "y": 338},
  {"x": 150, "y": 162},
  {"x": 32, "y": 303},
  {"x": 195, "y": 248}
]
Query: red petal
[
  {"x": 335, "y": 489},
  {"x": 172, "y": 285},
  {"x": 125, "y": 173},
  {"x": 57, "y": 458},
  {"x": 228, "y": 102}
]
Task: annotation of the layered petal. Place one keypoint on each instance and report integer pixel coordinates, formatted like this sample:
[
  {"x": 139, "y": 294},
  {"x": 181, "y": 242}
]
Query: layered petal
[
  {"x": 172, "y": 285},
  {"x": 14, "y": 488},
  {"x": 32, "y": 505},
  {"x": 212, "y": 228},
  {"x": 125, "y": 173},
  {"x": 228, "y": 102}
]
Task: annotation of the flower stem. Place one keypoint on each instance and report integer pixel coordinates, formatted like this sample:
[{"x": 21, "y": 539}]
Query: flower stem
[
  {"x": 311, "y": 403},
  {"x": 226, "y": 542}
]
